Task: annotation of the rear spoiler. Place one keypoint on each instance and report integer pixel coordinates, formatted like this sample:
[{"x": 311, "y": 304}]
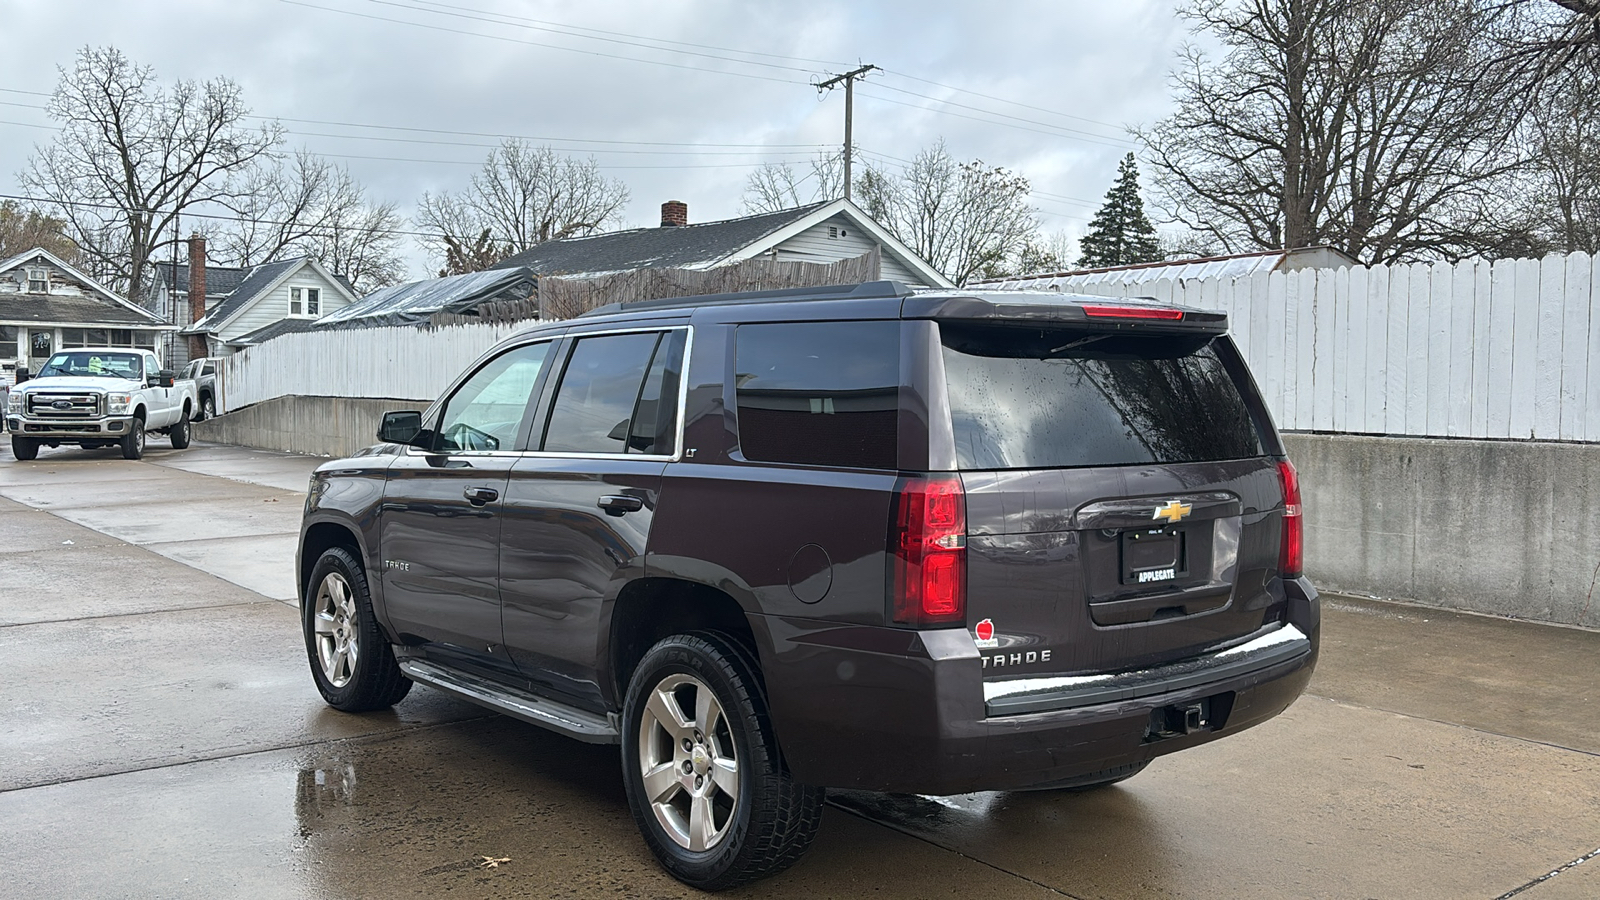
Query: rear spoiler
[{"x": 1039, "y": 308}]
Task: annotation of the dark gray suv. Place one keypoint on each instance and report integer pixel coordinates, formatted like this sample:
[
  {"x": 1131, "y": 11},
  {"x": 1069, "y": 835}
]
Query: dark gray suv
[{"x": 860, "y": 537}]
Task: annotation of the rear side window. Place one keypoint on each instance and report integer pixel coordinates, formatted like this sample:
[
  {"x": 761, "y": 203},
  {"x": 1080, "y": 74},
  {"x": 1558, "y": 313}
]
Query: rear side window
[
  {"x": 819, "y": 393},
  {"x": 618, "y": 395},
  {"x": 1025, "y": 398}
]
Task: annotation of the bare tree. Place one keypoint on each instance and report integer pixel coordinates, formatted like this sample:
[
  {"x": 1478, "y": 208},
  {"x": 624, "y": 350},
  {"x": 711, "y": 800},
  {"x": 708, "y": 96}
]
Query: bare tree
[
  {"x": 523, "y": 196},
  {"x": 1380, "y": 127},
  {"x": 306, "y": 205},
  {"x": 965, "y": 219},
  {"x": 22, "y": 230},
  {"x": 132, "y": 155},
  {"x": 776, "y": 186}
]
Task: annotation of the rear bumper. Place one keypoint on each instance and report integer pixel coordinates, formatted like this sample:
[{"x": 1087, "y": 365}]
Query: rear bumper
[{"x": 890, "y": 710}]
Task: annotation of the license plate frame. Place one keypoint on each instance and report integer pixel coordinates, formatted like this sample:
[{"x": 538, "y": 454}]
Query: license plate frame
[{"x": 1153, "y": 556}]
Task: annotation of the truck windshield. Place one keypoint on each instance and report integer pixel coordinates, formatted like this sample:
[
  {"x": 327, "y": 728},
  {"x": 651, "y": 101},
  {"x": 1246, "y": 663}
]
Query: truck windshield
[
  {"x": 94, "y": 364},
  {"x": 1028, "y": 398}
]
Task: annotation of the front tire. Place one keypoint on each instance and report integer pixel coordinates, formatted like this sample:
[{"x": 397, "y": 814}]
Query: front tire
[
  {"x": 133, "y": 441},
  {"x": 180, "y": 434},
  {"x": 24, "y": 449},
  {"x": 351, "y": 661},
  {"x": 705, "y": 781}
]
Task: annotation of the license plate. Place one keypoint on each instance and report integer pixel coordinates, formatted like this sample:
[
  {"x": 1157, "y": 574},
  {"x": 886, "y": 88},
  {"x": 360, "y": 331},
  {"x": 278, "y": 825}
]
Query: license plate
[{"x": 1152, "y": 556}]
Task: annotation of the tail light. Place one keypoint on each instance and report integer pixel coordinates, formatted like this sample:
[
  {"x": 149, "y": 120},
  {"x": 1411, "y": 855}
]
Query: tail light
[
  {"x": 929, "y": 543},
  {"x": 1133, "y": 312},
  {"x": 1291, "y": 558}
]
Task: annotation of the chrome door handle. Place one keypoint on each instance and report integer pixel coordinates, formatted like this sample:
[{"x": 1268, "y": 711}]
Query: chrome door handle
[
  {"x": 478, "y": 496},
  {"x": 619, "y": 504}
]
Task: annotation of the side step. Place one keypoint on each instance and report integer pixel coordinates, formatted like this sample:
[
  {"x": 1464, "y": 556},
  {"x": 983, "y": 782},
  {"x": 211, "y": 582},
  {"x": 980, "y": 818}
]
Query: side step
[{"x": 577, "y": 723}]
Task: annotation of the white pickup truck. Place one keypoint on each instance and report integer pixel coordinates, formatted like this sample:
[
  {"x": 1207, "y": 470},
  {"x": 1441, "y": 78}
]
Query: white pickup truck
[{"x": 99, "y": 397}]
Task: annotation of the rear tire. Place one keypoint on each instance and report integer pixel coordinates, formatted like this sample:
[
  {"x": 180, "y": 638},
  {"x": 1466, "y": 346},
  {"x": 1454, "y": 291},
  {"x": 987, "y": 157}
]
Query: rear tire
[
  {"x": 208, "y": 408},
  {"x": 706, "y": 784},
  {"x": 351, "y": 661},
  {"x": 180, "y": 434},
  {"x": 24, "y": 449},
  {"x": 133, "y": 441}
]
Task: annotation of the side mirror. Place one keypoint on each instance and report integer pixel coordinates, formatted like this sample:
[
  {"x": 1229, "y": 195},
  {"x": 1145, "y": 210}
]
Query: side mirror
[
  {"x": 400, "y": 427},
  {"x": 164, "y": 378},
  {"x": 23, "y": 374}
]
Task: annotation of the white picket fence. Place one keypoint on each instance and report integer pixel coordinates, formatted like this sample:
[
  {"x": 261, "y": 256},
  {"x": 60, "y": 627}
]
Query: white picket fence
[
  {"x": 405, "y": 363},
  {"x": 1509, "y": 349}
]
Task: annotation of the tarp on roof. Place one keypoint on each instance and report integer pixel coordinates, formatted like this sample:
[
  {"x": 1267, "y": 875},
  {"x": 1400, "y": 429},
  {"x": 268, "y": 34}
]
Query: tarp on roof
[{"x": 415, "y": 302}]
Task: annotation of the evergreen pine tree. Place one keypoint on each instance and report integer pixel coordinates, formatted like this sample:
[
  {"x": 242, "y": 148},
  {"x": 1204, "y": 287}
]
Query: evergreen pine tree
[{"x": 1121, "y": 234}]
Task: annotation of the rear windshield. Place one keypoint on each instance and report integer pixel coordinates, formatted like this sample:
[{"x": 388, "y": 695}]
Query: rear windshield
[{"x": 1026, "y": 398}]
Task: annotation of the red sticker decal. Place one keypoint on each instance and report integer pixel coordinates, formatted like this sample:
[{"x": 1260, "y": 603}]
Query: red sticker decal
[{"x": 985, "y": 630}]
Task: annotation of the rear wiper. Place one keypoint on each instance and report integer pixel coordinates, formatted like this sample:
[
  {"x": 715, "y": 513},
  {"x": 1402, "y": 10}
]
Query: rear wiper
[{"x": 1079, "y": 342}]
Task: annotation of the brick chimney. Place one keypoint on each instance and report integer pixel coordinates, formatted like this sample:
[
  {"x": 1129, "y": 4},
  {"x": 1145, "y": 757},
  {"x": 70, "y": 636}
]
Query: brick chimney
[
  {"x": 674, "y": 214},
  {"x": 197, "y": 292}
]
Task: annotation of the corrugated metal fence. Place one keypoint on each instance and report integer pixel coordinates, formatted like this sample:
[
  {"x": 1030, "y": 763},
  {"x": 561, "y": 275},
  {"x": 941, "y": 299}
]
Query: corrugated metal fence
[
  {"x": 405, "y": 363},
  {"x": 1509, "y": 349}
]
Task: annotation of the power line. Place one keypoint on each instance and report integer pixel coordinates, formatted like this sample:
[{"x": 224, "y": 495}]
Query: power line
[
  {"x": 1054, "y": 134},
  {"x": 990, "y": 112},
  {"x": 511, "y": 40},
  {"x": 821, "y": 62},
  {"x": 1052, "y": 112}
]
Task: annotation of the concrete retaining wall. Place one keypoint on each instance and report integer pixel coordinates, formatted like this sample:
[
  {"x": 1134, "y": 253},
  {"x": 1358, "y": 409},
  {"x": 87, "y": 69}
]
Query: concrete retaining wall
[
  {"x": 1504, "y": 527},
  {"x": 319, "y": 426}
]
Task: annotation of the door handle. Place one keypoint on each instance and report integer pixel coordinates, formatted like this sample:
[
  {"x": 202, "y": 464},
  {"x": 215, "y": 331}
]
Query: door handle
[
  {"x": 619, "y": 504},
  {"x": 478, "y": 496}
]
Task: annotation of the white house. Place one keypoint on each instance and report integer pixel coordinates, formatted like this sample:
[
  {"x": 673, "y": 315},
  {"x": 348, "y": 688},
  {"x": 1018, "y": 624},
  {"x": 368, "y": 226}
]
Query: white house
[
  {"x": 271, "y": 299},
  {"x": 48, "y": 305}
]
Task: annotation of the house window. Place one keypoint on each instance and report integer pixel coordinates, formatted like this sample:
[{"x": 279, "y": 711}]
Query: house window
[
  {"x": 38, "y": 280},
  {"x": 305, "y": 302},
  {"x": 8, "y": 342},
  {"x": 72, "y": 338}
]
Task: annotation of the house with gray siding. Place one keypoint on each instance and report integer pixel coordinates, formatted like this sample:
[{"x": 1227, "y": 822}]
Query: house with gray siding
[
  {"x": 824, "y": 232},
  {"x": 48, "y": 305},
  {"x": 272, "y": 299}
]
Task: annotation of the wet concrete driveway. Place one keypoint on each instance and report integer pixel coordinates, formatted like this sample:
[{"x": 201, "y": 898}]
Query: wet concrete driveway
[{"x": 160, "y": 737}]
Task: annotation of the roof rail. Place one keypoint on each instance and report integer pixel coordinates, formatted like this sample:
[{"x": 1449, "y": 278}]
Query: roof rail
[{"x": 865, "y": 290}]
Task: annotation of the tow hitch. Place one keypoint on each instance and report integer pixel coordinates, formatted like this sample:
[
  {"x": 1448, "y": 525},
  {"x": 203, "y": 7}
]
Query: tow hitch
[{"x": 1206, "y": 714}]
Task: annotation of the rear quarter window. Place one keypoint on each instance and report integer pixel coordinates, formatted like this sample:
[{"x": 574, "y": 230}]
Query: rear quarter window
[
  {"x": 1028, "y": 398},
  {"x": 819, "y": 393}
]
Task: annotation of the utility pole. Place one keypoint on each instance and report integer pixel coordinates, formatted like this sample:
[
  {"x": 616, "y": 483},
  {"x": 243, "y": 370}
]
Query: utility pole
[{"x": 849, "y": 80}]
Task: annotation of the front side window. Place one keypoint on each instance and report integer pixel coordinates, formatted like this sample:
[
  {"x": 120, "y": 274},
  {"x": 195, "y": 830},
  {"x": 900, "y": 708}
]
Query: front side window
[
  {"x": 618, "y": 395},
  {"x": 819, "y": 393},
  {"x": 486, "y": 412}
]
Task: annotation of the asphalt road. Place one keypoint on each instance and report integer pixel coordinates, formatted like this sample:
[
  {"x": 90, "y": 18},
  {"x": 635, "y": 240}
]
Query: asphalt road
[{"x": 160, "y": 737}]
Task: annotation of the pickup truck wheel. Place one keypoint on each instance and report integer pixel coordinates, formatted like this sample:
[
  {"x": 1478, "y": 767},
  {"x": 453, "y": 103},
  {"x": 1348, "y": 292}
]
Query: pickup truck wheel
[
  {"x": 24, "y": 449},
  {"x": 133, "y": 441},
  {"x": 351, "y": 661},
  {"x": 180, "y": 434},
  {"x": 208, "y": 408},
  {"x": 706, "y": 784}
]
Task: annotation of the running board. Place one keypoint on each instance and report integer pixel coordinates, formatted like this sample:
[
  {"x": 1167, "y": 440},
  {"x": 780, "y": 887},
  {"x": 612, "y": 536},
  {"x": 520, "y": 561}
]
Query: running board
[{"x": 576, "y": 723}]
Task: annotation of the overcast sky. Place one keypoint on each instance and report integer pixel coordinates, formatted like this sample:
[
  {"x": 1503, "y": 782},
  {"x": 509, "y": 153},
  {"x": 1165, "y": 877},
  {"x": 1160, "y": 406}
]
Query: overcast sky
[{"x": 678, "y": 98}]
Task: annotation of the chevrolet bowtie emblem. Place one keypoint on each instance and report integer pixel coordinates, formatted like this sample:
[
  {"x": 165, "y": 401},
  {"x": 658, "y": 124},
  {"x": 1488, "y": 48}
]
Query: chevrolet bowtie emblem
[{"x": 1173, "y": 512}]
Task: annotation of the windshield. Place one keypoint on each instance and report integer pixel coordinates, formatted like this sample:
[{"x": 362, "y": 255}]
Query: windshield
[
  {"x": 1029, "y": 399},
  {"x": 95, "y": 364}
]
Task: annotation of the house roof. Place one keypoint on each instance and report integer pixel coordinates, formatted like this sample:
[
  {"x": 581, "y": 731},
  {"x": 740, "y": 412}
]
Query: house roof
[
  {"x": 261, "y": 280},
  {"x": 414, "y": 302},
  {"x": 1236, "y": 265},
  {"x": 684, "y": 246},
  {"x": 220, "y": 280},
  {"x": 703, "y": 245},
  {"x": 276, "y": 329},
  {"x": 109, "y": 308}
]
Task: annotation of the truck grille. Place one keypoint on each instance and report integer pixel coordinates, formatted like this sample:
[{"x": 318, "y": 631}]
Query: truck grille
[{"x": 64, "y": 406}]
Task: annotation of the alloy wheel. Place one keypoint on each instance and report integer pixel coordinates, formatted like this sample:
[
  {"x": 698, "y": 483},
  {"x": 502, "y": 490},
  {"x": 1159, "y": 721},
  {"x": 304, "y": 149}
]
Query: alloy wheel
[
  {"x": 689, "y": 763},
  {"x": 335, "y": 625}
]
